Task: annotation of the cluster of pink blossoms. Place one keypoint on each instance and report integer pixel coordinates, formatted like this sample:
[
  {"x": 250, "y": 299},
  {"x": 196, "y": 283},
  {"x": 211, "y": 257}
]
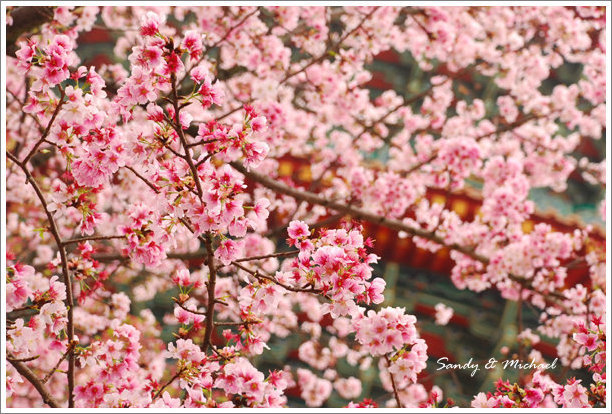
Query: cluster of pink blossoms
[
  {"x": 542, "y": 392},
  {"x": 46, "y": 296},
  {"x": 50, "y": 61},
  {"x": 399, "y": 336},
  {"x": 24, "y": 291},
  {"x": 443, "y": 314},
  {"x": 201, "y": 375},
  {"x": 146, "y": 236},
  {"x": 337, "y": 264},
  {"x": 115, "y": 362}
]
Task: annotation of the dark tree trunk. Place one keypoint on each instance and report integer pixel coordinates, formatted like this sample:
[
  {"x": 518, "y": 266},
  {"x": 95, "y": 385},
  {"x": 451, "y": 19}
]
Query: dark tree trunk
[{"x": 25, "y": 20}]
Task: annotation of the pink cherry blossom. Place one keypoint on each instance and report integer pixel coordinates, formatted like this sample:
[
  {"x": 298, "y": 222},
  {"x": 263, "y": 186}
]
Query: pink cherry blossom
[{"x": 443, "y": 314}]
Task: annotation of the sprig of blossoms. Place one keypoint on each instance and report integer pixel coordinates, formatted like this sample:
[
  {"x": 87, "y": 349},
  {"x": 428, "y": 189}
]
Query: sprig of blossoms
[{"x": 337, "y": 264}]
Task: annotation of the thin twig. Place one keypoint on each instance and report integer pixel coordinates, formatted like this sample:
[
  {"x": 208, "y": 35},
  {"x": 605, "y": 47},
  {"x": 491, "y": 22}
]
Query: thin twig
[
  {"x": 179, "y": 130},
  {"x": 187, "y": 309},
  {"x": 221, "y": 40},
  {"x": 56, "y": 367},
  {"x": 203, "y": 142},
  {"x": 268, "y": 256},
  {"x": 210, "y": 309},
  {"x": 241, "y": 323},
  {"x": 259, "y": 275},
  {"x": 395, "y": 392},
  {"x": 332, "y": 49},
  {"x": 504, "y": 128},
  {"x": 48, "y": 129},
  {"x": 405, "y": 102},
  {"x": 170, "y": 381},
  {"x": 90, "y": 238},
  {"x": 28, "y": 359},
  {"x": 143, "y": 179}
]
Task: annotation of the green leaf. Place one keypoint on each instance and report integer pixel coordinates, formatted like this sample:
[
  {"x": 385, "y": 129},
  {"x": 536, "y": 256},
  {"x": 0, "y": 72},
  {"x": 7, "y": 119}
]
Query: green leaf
[{"x": 40, "y": 231}]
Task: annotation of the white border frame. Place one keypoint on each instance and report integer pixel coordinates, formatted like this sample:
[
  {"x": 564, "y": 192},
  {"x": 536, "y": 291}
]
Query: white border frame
[{"x": 292, "y": 3}]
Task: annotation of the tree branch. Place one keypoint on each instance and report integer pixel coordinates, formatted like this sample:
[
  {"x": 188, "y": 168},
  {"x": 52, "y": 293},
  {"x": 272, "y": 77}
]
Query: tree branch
[
  {"x": 48, "y": 128},
  {"x": 196, "y": 312},
  {"x": 65, "y": 273},
  {"x": 395, "y": 392},
  {"x": 359, "y": 213},
  {"x": 221, "y": 40},
  {"x": 258, "y": 275},
  {"x": 332, "y": 49},
  {"x": 179, "y": 130},
  {"x": 170, "y": 381},
  {"x": 210, "y": 308},
  {"x": 24, "y": 371},
  {"x": 241, "y": 323},
  {"x": 64, "y": 356},
  {"x": 91, "y": 238},
  {"x": 405, "y": 102},
  {"x": 362, "y": 214},
  {"x": 268, "y": 256}
]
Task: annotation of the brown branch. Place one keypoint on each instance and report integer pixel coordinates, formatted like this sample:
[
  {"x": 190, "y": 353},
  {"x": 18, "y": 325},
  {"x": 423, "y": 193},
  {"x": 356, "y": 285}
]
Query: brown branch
[
  {"x": 21, "y": 313},
  {"x": 206, "y": 158},
  {"x": 430, "y": 36},
  {"x": 392, "y": 224},
  {"x": 179, "y": 130},
  {"x": 241, "y": 323},
  {"x": 24, "y": 371},
  {"x": 405, "y": 102},
  {"x": 268, "y": 256},
  {"x": 48, "y": 128},
  {"x": 221, "y": 40},
  {"x": 418, "y": 165},
  {"x": 187, "y": 309},
  {"x": 259, "y": 275},
  {"x": 32, "y": 358},
  {"x": 334, "y": 48},
  {"x": 170, "y": 381},
  {"x": 91, "y": 238},
  {"x": 203, "y": 142},
  {"x": 395, "y": 392},
  {"x": 25, "y": 311},
  {"x": 56, "y": 367},
  {"x": 109, "y": 257},
  {"x": 231, "y": 111},
  {"x": 143, "y": 179},
  {"x": 231, "y": 29},
  {"x": 25, "y": 308},
  {"x": 166, "y": 145},
  {"x": 65, "y": 272},
  {"x": 322, "y": 223},
  {"x": 502, "y": 129},
  {"x": 359, "y": 213},
  {"x": 210, "y": 308},
  {"x": 157, "y": 191}
]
